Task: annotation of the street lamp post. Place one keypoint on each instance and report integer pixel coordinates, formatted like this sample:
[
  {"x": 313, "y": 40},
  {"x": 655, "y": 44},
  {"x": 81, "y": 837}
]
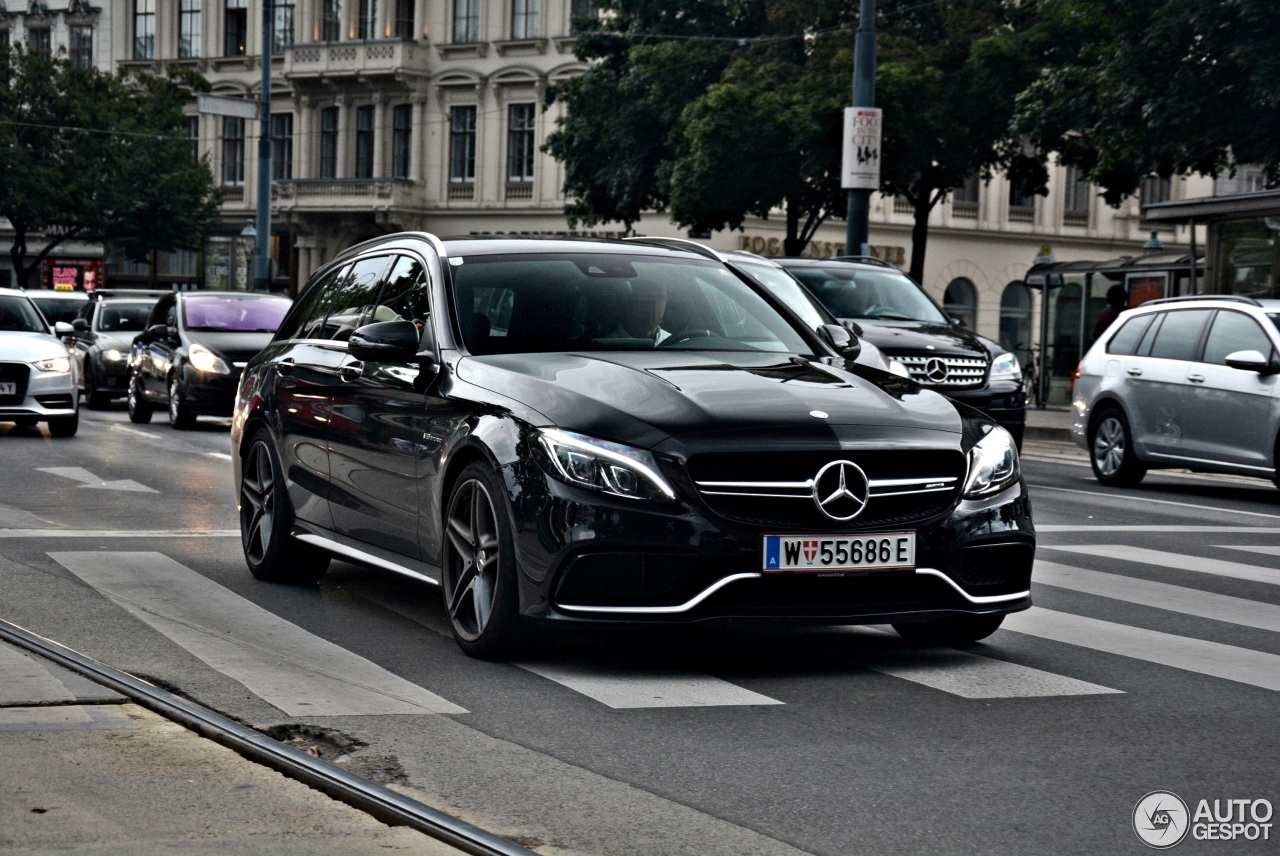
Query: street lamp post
[
  {"x": 866, "y": 152},
  {"x": 262, "y": 270}
]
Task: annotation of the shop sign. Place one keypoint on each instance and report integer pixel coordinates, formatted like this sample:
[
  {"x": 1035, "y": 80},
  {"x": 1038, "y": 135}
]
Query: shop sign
[
  {"x": 861, "y": 153},
  {"x": 772, "y": 247},
  {"x": 71, "y": 274}
]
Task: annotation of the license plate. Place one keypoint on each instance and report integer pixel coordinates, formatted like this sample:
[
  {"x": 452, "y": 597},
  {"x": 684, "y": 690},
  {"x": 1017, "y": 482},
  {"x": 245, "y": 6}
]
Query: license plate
[
  {"x": 8, "y": 388},
  {"x": 875, "y": 551}
]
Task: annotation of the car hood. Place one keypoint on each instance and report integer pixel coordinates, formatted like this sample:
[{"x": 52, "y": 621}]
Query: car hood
[
  {"x": 29, "y": 347},
  {"x": 238, "y": 347},
  {"x": 918, "y": 337},
  {"x": 119, "y": 341},
  {"x": 643, "y": 398}
]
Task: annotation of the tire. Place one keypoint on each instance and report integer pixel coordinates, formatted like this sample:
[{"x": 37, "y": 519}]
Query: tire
[
  {"x": 479, "y": 569},
  {"x": 1111, "y": 450},
  {"x": 139, "y": 409},
  {"x": 92, "y": 396},
  {"x": 956, "y": 630},
  {"x": 64, "y": 426},
  {"x": 180, "y": 415},
  {"x": 272, "y": 554}
]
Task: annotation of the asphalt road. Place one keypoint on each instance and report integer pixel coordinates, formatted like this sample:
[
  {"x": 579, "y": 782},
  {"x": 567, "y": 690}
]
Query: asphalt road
[{"x": 1151, "y": 661}]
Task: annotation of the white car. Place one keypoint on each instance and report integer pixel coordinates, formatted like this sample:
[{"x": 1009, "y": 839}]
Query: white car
[{"x": 38, "y": 380}]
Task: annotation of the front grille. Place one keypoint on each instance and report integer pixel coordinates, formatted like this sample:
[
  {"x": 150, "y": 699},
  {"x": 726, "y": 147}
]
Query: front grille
[
  {"x": 985, "y": 569},
  {"x": 18, "y": 373},
  {"x": 944, "y": 372},
  {"x": 811, "y": 596},
  {"x": 776, "y": 489}
]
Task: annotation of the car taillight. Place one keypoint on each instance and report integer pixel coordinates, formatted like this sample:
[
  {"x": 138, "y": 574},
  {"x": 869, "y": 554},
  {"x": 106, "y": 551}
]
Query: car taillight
[{"x": 1079, "y": 371}]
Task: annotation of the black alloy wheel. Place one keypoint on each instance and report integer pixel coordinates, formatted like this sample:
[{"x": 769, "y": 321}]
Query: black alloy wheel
[
  {"x": 955, "y": 630},
  {"x": 479, "y": 578},
  {"x": 180, "y": 415},
  {"x": 271, "y": 553},
  {"x": 139, "y": 409},
  {"x": 1111, "y": 450}
]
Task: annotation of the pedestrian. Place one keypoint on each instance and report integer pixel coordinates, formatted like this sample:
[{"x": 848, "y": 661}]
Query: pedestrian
[{"x": 1117, "y": 297}]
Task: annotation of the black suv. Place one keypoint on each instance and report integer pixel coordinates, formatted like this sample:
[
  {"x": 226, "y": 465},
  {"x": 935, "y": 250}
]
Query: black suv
[{"x": 890, "y": 310}]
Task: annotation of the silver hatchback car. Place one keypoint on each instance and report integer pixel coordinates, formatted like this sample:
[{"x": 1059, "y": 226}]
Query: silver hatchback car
[{"x": 1188, "y": 382}]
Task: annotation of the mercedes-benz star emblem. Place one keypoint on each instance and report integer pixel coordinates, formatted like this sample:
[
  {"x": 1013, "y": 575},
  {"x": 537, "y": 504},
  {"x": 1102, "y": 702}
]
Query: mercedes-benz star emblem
[
  {"x": 840, "y": 490},
  {"x": 935, "y": 370}
]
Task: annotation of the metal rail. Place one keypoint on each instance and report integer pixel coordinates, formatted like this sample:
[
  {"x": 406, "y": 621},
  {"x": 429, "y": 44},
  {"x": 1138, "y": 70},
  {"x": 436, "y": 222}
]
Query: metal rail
[{"x": 382, "y": 803}]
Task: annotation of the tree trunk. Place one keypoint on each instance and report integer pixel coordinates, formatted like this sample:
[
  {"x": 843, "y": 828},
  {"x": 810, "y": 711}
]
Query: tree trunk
[
  {"x": 922, "y": 205},
  {"x": 792, "y": 244},
  {"x": 151, "y": 276},
  {"x": 18, "y": 253}
]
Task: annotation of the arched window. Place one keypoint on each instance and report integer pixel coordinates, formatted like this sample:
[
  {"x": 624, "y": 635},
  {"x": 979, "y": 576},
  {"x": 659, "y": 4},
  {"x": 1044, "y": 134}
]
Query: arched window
[
  {"x": 961, "y": 300},
  {"x": 1015, "y": 320}
]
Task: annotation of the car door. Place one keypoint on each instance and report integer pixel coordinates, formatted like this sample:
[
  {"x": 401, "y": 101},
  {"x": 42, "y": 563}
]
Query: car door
[
  {"x": 1157, "y": 380},
  {"x": 152, "y": 355},
  {"x": 378, "y": 432},
  {"x": 1231, "y": 413},
  {"x": 84, "y": 339}
]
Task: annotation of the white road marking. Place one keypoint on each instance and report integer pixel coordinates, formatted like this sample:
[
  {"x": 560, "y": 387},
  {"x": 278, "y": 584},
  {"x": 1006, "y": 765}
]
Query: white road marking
[
  {"x": 1188, "y": 601},
  {"x": 286, "y": 666},
  {"x": 1096, "y": 495},
  {"x": 27, "y": 681},
  {"x": 1262, "y": 550},
  {"x": 223, "y": 455},
  {"x": 1241, "y": 665},
  {"x": 972, "y": 676},
  {"x": 118, "y": 533},
  {"x": 618, "y": 688},
  {"x": 1258, "y": 530},
  {"x": 89, "y": 480},
  {"x": 1178, "y": 561}
]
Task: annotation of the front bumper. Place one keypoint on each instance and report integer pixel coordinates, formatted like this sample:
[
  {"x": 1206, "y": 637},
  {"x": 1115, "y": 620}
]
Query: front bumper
[
  {"x": 210, "y": 394},
  {"x": 41, "y": 395}
]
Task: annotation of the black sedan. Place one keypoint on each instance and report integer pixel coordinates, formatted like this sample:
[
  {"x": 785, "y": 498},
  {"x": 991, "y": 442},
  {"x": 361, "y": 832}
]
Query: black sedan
[
  {"x": 105, "y": 330},
  {"x": 195, "y": 344},
  {"x": 588, "y": 431}
]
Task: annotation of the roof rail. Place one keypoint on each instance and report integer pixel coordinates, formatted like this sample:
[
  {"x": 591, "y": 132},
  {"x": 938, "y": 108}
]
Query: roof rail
[
  {"x": 678, "y": 244},
  {"x": 871, "y": 260},
  {"x": 1239, "y": 298}
]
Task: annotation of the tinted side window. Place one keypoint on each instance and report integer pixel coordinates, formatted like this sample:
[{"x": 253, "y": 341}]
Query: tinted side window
[
  {"x": 353, "y": 298},
  {"x": 1231, "y": 332},
  {"x": 1179, "y": 335},
  {"x": 404, "y": 295},
  {"x": 307, "y": 314},
  {"x": 164, "y": 309},
  {"x": 1126, "y": 339}
]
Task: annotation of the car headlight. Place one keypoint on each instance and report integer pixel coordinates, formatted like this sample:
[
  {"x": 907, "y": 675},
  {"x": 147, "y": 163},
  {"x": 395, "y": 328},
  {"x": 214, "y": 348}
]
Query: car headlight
[
  {"x": 114, "y": 356},
  {"x": 57, "y": 364},
  {"x": 605, "y": 466},
  {"x": 207, "y": 361},
  {"x": 993, "y": 464},
  {"x": 1005, "y": 367},
  {"x": 898, "y": 368}
]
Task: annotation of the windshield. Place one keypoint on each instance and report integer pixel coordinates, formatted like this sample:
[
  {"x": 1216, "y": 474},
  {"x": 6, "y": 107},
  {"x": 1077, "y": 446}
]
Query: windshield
[
  {"x": 784, "y": 287},
  {"x": 234, "y": 314},
  {"x": 56, "y": 309},
  {"x": 17, "y": 315},
  {"x": 545, "y": 302},
  {"x": 876, "y": 294},
  {"x": 123, "y": 317}
]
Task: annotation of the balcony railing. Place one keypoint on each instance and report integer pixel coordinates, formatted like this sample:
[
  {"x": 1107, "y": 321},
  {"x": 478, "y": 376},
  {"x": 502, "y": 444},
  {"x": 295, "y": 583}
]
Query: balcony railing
[
  {"x": 354, "y": 59},
  {"x": 520, "y": 190},
  {"x": 342, "y": 193}
]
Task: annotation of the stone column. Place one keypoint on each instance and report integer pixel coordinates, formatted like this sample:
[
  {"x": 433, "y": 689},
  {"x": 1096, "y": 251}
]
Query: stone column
[
  {"x": 381, "y": 135},
  {"x": 345, "y": 130}
]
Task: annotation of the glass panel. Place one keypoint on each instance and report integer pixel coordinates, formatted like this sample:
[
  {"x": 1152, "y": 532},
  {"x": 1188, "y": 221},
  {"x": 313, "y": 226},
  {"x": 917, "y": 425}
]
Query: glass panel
[
  {"x": 1231, "y": 332},
  {"x": 1126, "y": 339},
  {"x": 1179, "y": 335},
  {"x": 234, "y": 314}
]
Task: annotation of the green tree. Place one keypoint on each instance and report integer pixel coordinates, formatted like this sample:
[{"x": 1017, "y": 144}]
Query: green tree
[
  {"x": 97, "y": 157},
  {"x": 1170, "y": 87}
]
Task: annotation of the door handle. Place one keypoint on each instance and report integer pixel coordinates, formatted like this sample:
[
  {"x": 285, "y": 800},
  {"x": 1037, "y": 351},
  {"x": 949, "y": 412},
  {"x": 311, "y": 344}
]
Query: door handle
[
  {"x": 285, "y": 366},
  {"x": 1134, "y": 372},
  {"x": 1196, "y": 378},
  {"x": 351, "y": 371}
]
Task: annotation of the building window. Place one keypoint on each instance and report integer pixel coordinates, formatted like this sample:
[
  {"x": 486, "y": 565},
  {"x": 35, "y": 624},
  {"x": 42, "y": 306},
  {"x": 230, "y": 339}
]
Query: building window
[
  {"x": 364, "y": 142},
  {"x": 4, "y": 40},
  {"x": 524, "y": 19},
  {"x": 232, "y": 151},
  {"x": 236, "y": 27},
  {"x": 40, "y": 42},
  {"x": 961, "y": 301},
  {"x": 466, "y": 21},
  {"x": 401, "y": 137},
  {"x": 331, "y": 21},
  {"x": 81, "y": 46},
  {"x": 404, "y": 19},
  {"x": 281, "y": 146},
  {"x": 188, "y": 29},
  {"x": 193, "y": 136},
  {"x": 144, "y": 29},
  {"x": 1075, "y": 198},
  {"x": 1154, "y": 189},
  {"x": 1022, "y": 206},
  {"x": 462, "y": 145},
  {"x": 580, "y": 10},
  {"x": 283, "y": 26},
  {"x": 964, "y": 199},
  {"x": 365, "y": 23},
  {"x": 329, "y": 142},
  {"x": 520, "y": 150}
]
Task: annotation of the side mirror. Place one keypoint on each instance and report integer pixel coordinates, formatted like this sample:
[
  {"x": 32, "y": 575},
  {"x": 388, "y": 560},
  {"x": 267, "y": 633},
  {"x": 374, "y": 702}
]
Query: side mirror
[
  {"x": 80, "y": 325},
  {"x": 62, "y": 329},
  {"x": 1251, "y": 361},
  {"x": 955, "y": 321},
  {"x": 387, "y": 342},
  {"x": 841, "y": 340},
  {"x": 157, "y": 331}
]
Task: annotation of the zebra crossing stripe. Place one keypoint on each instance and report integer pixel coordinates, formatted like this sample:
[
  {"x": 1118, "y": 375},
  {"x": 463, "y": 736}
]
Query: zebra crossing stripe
[
  {"x": 1179, "y": 561},
  {"x": 284, "y": 665},
  {"x": 619, "y": 689},
  {"x": 972, "y": 676},
  {"x": 1241, "y": 665},
  {"x": 1188, "y": 601},
  {"x": 27, "y": 681}
]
